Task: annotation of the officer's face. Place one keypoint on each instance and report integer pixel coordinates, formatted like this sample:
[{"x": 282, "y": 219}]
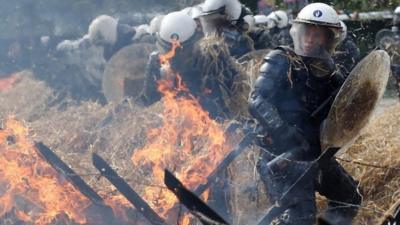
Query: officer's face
[{"x": 314, "y": 39}]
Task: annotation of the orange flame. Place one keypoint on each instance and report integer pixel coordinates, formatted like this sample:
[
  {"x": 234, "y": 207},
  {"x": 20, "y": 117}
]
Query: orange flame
[
  {"x": 23, "y": 174},
  {"x": 169, "y": 55},
  {"x": 189, "y": 142},
  {"x": 46, "y": 195},
  {"x": 7, "y": 83}
]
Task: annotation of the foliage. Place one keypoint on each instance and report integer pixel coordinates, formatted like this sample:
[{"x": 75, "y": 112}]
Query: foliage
[
  {"x": 364, "y": 5},
  {"x": 351, "y": 5}
]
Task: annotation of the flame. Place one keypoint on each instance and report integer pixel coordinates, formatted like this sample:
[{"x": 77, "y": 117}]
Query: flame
[
  {"x": 186, "y": 220},
  {"x": 189, "y": 142},
  {"x": 118, "y": 204},
  {"x": 169, "y": 55},
  {"x": 7, "y": 83},
  {"x": 23, "y": 174}
]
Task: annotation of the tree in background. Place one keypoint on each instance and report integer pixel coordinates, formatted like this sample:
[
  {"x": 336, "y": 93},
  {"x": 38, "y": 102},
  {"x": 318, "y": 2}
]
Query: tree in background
[
  {"x": 350, "y": 5},
  {"x": 362, "y": 5}
]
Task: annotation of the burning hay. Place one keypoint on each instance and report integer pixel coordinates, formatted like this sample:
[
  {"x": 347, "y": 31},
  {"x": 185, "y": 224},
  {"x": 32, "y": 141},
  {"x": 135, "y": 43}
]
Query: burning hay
[
  {"x": 75, "y": 130},
  {"x": 216, "y": 60},
  {"x": 189, "y": 142},
  {"x": 117, "y": 132},
  {"x": 25, "y": 176}
]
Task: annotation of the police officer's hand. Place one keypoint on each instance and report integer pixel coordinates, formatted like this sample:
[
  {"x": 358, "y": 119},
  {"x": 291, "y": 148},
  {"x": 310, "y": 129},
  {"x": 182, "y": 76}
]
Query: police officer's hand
[
  {"x": 290, "y": 138},
  {"x": 323, "y": 67}
]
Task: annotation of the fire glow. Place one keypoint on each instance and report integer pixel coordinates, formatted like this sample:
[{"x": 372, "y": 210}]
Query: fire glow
[
  {"x": 29, "y": 186},
  {"x": 6, "y": 84},
  {"x": 189, "y": 142}
]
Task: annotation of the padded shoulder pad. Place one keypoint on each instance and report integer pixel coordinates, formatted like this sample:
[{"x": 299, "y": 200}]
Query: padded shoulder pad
[{"x": 276, "y": 62}]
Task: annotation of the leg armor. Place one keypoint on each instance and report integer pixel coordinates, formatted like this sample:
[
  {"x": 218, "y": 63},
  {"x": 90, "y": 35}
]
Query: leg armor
[{"x": 341, "y": 190}]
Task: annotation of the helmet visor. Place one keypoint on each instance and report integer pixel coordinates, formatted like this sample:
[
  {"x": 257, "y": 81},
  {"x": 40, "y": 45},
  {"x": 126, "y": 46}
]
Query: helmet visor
[{"x": 312, "y": 40}]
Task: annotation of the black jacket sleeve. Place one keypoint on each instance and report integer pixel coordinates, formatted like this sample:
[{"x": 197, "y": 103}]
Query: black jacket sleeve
[{"x": 272, "y": 73}]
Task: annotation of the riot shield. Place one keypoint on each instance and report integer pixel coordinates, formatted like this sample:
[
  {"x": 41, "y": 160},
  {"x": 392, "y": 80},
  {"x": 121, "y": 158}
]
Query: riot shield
[
  {"x": 356, "y": 100},
  {"x": 383, "y": 38},
  {"x": 125, "y": 72}
]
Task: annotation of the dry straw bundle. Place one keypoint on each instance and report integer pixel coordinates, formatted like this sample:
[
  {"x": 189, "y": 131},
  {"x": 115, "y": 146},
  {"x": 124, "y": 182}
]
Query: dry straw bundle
[
  {"x": 374, "y": 161},
  {"x": 74, "y": 130}
]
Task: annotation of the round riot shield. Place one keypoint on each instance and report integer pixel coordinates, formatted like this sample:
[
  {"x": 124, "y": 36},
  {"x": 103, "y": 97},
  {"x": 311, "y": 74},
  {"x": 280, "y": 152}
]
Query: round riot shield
[
  {"x": 356, "y": 100},
  {"x": 125, "y": 72},
  {"x": 383, "y": 38}
]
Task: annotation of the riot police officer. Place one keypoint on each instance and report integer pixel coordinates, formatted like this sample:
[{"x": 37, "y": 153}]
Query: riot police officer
[
  {"x": 347, "y": 53},
  {"x": 272, "y": 30},
  {"x": 230, "y": 20},
  {"x": 279, "y": 28},
  {"x": 105, "y": 32},
  {"x": 291, "y": 86},
  {"x": 389, "y": 40},
  {"x": 206, "y": 85}
]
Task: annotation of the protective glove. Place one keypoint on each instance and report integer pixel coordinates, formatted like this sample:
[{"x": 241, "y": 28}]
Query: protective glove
[
  {"x": 323, "y": 67},
  {"x": 291, "y": 140},
  {"x": 280, "y": 162}
]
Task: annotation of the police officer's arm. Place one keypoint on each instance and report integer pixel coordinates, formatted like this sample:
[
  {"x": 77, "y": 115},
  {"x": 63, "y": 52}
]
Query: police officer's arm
[
  {"x": 272, "y": 74},
  {"x": 274, "y": 69},
  {"x": 150, "y": 93}
]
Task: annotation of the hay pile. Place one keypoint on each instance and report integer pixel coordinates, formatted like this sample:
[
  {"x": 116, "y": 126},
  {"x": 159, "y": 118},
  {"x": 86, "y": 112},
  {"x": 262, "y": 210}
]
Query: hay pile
[
  {"x": 379, "y": 146},
  {"x": 75, "y": 130}
]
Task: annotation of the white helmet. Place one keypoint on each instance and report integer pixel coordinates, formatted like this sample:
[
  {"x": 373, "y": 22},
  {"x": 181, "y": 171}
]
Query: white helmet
[
  {"x": 249, "y": 19},
  {"x": 103, "y": 30},
  {"x": 397, "y": 10},
  {"x": 279, "y": 18},
  {"x": 396, "y": 17},
  {"x": 155, "y": 24},
  {"x": 343, "y": 35},
  {"x": 316, "y": 31},
  {"x": 186, "y": 10},
  {"x": 140, "y": 31},
  {"x": 177, "y": 25},
  {"x": 264, "y": 22},
  {"x": 231, "y": 8},
  {"x": 196, "y": 11},
  {"x": 318, "y": 14},
  {"x": 261, "y": 19},
  {"x": 193, "y": 12}
]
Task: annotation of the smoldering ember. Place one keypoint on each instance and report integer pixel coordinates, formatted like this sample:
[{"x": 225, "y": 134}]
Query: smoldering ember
[{"x": 200, "y": 112}]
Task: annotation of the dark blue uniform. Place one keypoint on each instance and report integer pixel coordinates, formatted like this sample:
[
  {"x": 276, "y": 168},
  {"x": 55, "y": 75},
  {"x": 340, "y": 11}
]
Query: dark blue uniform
[
  {"x": 347, "y": 54},
  {"x": 285, "y": 100},
  {"x": 272, "y": 38},
  {"x": 389, "y": 40}
]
